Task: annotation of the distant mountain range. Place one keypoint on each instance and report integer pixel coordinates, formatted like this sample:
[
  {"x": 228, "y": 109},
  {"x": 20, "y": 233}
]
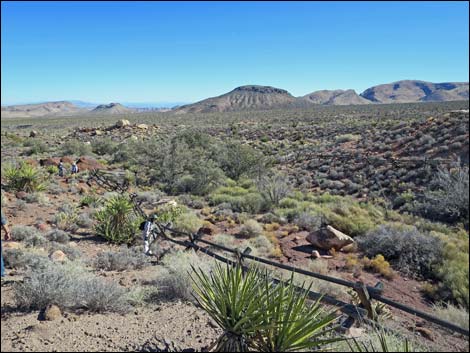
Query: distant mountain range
[
  {"x": 253, "y": 97},
  {"x": 265, "y": 97}
]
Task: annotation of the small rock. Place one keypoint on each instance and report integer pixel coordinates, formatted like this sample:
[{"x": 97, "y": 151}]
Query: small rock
[
  {"x": 142, "y": 126},
  {"x": 33, "y": 133},
  {"x": 21, "y": 195},
  {"x": 316, "y": 254}
]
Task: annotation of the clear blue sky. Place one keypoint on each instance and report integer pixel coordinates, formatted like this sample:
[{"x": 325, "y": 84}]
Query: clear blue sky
[{"x": 187, "y": 51}]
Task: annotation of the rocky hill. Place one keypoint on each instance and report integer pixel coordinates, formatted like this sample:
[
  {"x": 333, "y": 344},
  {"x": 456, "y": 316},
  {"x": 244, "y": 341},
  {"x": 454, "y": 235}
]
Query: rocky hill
[
  {"x": 244, "y": 98},
  {"x": 112, "y": 108},
  {"x": 41, "y": 109},
  {"x": 336, "y": 97},
  {"x": 408, "y": 91}
]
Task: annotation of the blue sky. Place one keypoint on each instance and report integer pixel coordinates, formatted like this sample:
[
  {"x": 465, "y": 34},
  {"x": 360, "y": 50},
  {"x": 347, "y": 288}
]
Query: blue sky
[{"x": 187, "y": 51}]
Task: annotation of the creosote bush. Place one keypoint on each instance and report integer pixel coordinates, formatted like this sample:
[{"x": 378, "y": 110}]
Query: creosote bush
[{"x": 124, "y": 259}]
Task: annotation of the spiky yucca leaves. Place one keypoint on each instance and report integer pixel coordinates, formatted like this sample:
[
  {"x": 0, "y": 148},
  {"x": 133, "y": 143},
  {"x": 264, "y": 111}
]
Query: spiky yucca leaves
[
  {"x": 290, "y": 324},
  {"x": 258, "y": 315},
  {"x": 23, "y": 177},
  {"x": 117, "y": 221},
  {"x": 235, "y": 301}
]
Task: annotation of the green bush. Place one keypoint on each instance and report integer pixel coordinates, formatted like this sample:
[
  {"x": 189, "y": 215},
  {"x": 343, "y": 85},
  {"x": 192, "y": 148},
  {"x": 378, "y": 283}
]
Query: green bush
[
  {"x": 250, "y": 229},
  {"x": 75, "y": 148},
  {"x": 117, "y": 222},
  {"x": 188, "y": 222}
]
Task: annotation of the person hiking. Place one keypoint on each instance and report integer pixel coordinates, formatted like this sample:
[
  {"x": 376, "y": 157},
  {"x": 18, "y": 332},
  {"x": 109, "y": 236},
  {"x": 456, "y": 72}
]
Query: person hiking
[
  {"x": 61, "y": 168},
  {"x": 149, "y": 233},
  {"x": 74, "y": 169},
  {"x": 6, "y": 229}
]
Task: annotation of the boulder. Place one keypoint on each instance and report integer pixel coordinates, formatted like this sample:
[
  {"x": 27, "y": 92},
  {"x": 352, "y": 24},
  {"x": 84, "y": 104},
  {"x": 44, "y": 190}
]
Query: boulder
[
  {"x": 142, "y": 126},
  {"x": 122, "y": 123},
  {"x": 49, "y": 161},
  {"x": 58, "y": 256},
  {"x": 33, "y": 133},
  {"x": 88, "y": 163},
  {"x": 329, "y": 238}
]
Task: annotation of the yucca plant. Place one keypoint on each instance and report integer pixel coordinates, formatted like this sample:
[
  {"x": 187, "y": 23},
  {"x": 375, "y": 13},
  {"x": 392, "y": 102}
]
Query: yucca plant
[
  {"x": 291, "y": 324},
  {"x": 258, "y": 315},
  {"x": 235, "y": 301},
  {"x": 117, "y": 221},
  {"x": 23, "y": 177}
]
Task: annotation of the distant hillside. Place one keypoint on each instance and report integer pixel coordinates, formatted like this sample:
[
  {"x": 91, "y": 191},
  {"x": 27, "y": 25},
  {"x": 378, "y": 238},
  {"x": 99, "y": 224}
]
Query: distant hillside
[
  {"x": 336, "y": 97},
  {"x": 416, "y": 91},
  {"x": 244, "y": 98},
  {"x": 41, "y": 109},
  {"x": 112, "y": 108}
]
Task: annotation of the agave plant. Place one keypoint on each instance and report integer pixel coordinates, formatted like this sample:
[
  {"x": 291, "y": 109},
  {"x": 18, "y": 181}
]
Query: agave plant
[
  {"x": 117, "y": 221},
  {"x": 257, "y": 315}
]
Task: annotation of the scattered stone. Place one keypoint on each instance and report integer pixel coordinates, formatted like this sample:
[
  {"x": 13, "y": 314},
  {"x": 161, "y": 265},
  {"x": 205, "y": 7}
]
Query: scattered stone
[
  {"x": 142, "y": 126},
  {"x": 426, "y": 333},
  {"x": 33, "y": 133}
]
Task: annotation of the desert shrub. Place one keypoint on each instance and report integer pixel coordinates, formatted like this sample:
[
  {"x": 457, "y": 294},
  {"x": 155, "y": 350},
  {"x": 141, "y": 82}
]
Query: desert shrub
[
  {"x": 262, "y": 246},
  {"x": 117, "y": 222},
  {"x": 447, "y": 199},
  {"x": 239, "y": 198},
  {"x": 273, "y": 188},
  {"x": 23, "y": 177},
  {"x": 188, "y": 222},
  {"x": 407, "y": 249},
  {"x": 173, "y": 279},
  {"x": 35, "y": 147},
  {"x": 238, "y": 160},
  {"x": 20, "y": 233},
  {"x": 84, "y": 221},
  {"x": 308, "y": 221},
  {"x": 58, "y": 236},
  {"x": 455, "y": 314},
  {"x": 250, "y": 229},
  {"x": 379, "y": 265},
  {"x": 22, "y": 259},
  {"x": 124, "y": 259},
  {"x": 20, "y": 205},
  {"x": 30, "y": 236},
  {"x": 203, "y": 178},
  {"x": 76, "y": 148},
  {"x": 91, "y": 201},
  {"x": 70, "y": 287},
  {"x": 104, "y": 146},
  {"x": 347, "y": 138},
  {"x": 66, "y": 218},
  {"x": 453, "y": 272}
]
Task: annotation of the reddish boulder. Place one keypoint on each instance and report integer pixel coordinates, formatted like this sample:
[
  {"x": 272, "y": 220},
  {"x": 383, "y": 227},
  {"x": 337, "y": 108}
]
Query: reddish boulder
[
  {"x": 88, "y": 163},
  {"x": 49, "y": 161}
]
